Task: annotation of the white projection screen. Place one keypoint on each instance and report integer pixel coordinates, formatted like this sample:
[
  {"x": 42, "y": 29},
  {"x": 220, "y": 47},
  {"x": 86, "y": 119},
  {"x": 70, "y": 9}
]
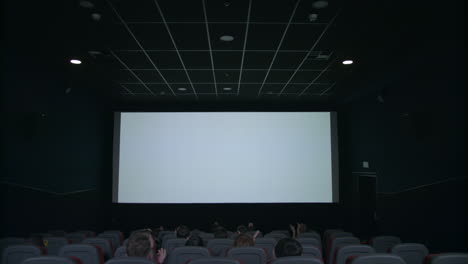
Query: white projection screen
[{"x": 225, "y": 157}]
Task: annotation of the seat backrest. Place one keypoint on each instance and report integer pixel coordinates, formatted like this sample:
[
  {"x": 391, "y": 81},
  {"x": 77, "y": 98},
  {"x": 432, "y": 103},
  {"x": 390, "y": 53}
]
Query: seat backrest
[
  {"x": 332, "y": 236},
  {"x": 49, "y": 260},
  {"x": 113, "y": 239},
  {"x": 182, "y": 255},
  {"x": 311, "y": 251},
  {"x": 168, "y": 237},
  {"x": 53, "y": 244},
  {"x": 120, "y": 252},
  {"x": 9, "y": 241},
  {"x": 411, "y": 253},
  {"x": 344, "y": 252},
  {"x": 118, "y": 234},
  {"x": 448, "y": 258},
  {"x": 18, "y": 253},
  {"x": 88, "y": 254},
  {"x": 161, "y": 234},
  {"x": 129, "y": 260},
  {"x": 103, "y": 243},
  {"x": 339, "y": 242},
  {"x": 268, "y": 244},
  {"x": 327, "y": 233},
  {"x": 382, "y": 244},
  {"x": 277, "y": 236},
  {"x": 88, "y": 233},
  {"x": 378, "y": 258},
  {"x": 310, "y": 241},
  {"x": 298, "y": 260},
  {"x": 76, "y": 237},
  {"x": 219, "y": 245},
  {"x": 310, "y": 234},
  {"x": 248, "y": 255},
  {"x": 215, "y": 260},
  {"x": 171, "y": 244}
]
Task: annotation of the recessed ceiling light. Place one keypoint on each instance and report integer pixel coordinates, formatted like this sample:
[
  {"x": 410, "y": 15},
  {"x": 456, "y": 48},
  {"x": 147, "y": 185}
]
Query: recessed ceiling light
[
  {"x": 75, "y": 61},
  {"x": 226, "y": 38},
  {"x": 227, "y": 88},
  {"x": 320, "y": 4},
  {"x": 182, "y": 89},
  {"x": 86, "y": 4},
  {"x": 347, "y": 62}
]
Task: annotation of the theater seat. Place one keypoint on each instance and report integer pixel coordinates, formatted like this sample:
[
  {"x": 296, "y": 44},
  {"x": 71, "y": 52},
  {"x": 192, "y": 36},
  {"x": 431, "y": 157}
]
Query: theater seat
[
  {"x": 311, "y": 251},
  {"x": 88, "y": 254},
  {"x": 214, "y": 260},
  {"x": 118, "y": 234},
  {"x": 382, "y": 244},
  {"x": 50, "y": 260},
  {"x": 163, "y": 233},
  {"x": 298, "y": 260},
  {"x": 411, "y": 253},
  {"x": 120, "y": 252},
  {"x": 377, "y": 259},
  {"x": 338, "y": 242},
  {"x": 182, "y": 255},
  {"x": 248, "y": 255},
  {"x": 311, "y": 234},
  {"x": 88, "y": 233},
  {"x": 447, "y": 258},
  {"x": 219, "y": 245},
  {"x": 277, "y": 235},
  {"x": 268, "y": 244},
  {"x": 53, "y": 244},
  {"x": 343, "y": 252},
  {"x": 18, "y": 253},
  {"x": 171, "y": 244},
  {"x": 103, "y": 243},
  {"x": 9, "y": 241},
  {"x": 129, "y": 260},
  {"x": 310, "y": 241},
  {"x": 112, "y": 238}
]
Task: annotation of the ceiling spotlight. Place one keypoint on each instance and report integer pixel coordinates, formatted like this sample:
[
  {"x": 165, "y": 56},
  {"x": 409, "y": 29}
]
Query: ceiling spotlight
[
  {"x": 320, "y": 4},
  {"x": 96, "y": 16},
  {"x": 347, "y": 62},
  {"x": 183, "y": 89},
  {"x": 226, "y": 38},
  {"x": 74, "y": 61},
  {"x": 227, "y": 88},
  {"x": 313, "y": 17},
  {"x": 86, "y": 4}
]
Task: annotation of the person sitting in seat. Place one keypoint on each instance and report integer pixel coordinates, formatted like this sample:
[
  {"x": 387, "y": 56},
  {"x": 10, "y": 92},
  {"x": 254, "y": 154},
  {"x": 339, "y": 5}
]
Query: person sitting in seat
[
  {"x": 194, "y": 241},
  {"x": 141, "y": 244},
  {"x": 182, "y": 232},
  {"x": 288, "y": 247},
  {"x": 241, "y": 229},
  {"x": 221, "y": 233},
  {"x": 244, "y": 240}
]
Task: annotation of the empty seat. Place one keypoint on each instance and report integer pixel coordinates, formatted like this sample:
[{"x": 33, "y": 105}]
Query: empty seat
[
  {"x": 248, "y": 255},
  {"x": 277, "y": 236},
  {"x": 219, "y": 245},
  {"x": 161, "y": 234},
  {"x": 120, "y": 252},
  {"x": 129, "y": 260},
  {"x": 298, "y": 260},
  {"x": 170, "y": 244},
  {"x": 377, "y": 259},
  {"x": 411, "y": 253},
  {"x": 215, "y": 260},
  {"x": 332, "y": 236},
  {"x": 335, "y": 243},
  {"x": 382, "y": 244},
  {"x": 167, "y": 237},
  {"x": 112, "y": 238},
  {"x": 88, "y": 254},
  {"x": 49, "y": 260},
  {"x": 342, "y": 253},
  {"x": 310, "y": 241},
  {"x": 448, "y": 258},
  {"x": 76, "y": 237},
  {"x": 103, "y": 243},
  {"x": 311, "y": 251},
  {"x": 118, "y": 234},
  {"x": 53, "y": 244},
  {"x": 18, "y": 253},
  {"x": 266, "y": 243},
  {"x": 9, "y": 241},
  {"x": 182, "y": 255},
  {"x": 328, "y": 233},
  {"x": 311, "y": 234}
]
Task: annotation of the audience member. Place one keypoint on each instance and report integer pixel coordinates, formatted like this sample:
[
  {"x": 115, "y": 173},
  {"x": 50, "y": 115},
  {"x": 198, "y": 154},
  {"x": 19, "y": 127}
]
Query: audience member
[
  {"x": 288, "y": 247},
  {"x": 183, "y": 232},
  {"x": 195, "y": 241},
  {"x": 241, "y": 229},
  {"x": 142, "y": 244},
  {"x": 243, "y": 240},
  {"x": 221, "y": 233}
]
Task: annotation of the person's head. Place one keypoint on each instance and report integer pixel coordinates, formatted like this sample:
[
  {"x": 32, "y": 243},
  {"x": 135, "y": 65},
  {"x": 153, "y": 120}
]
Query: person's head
[
  {"x": 183, "y": 232},
  {"x": 302, "y": 228},
  {"x": 195, "y": 241},
  {"x": 241, "y": 229},
  {"x": 243, "y": 240},
  {"x": 288, "y": 247},
  {"x": 141, "y": 244},
  {"x": 221, "y": 233}
]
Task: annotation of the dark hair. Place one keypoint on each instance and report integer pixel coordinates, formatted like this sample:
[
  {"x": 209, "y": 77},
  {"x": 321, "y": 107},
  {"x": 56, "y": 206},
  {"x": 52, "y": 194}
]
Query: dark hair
[
  {"x": 183, "y": 232},
  {"x": 139, "y": 244},
  {"x": 195, "y": 241},
  {"x": 221, "y": 233},
  {"x": 243, "y": 240},
  {"x": 241, "y": 229},
  {"x": 288, "y": 247}
]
